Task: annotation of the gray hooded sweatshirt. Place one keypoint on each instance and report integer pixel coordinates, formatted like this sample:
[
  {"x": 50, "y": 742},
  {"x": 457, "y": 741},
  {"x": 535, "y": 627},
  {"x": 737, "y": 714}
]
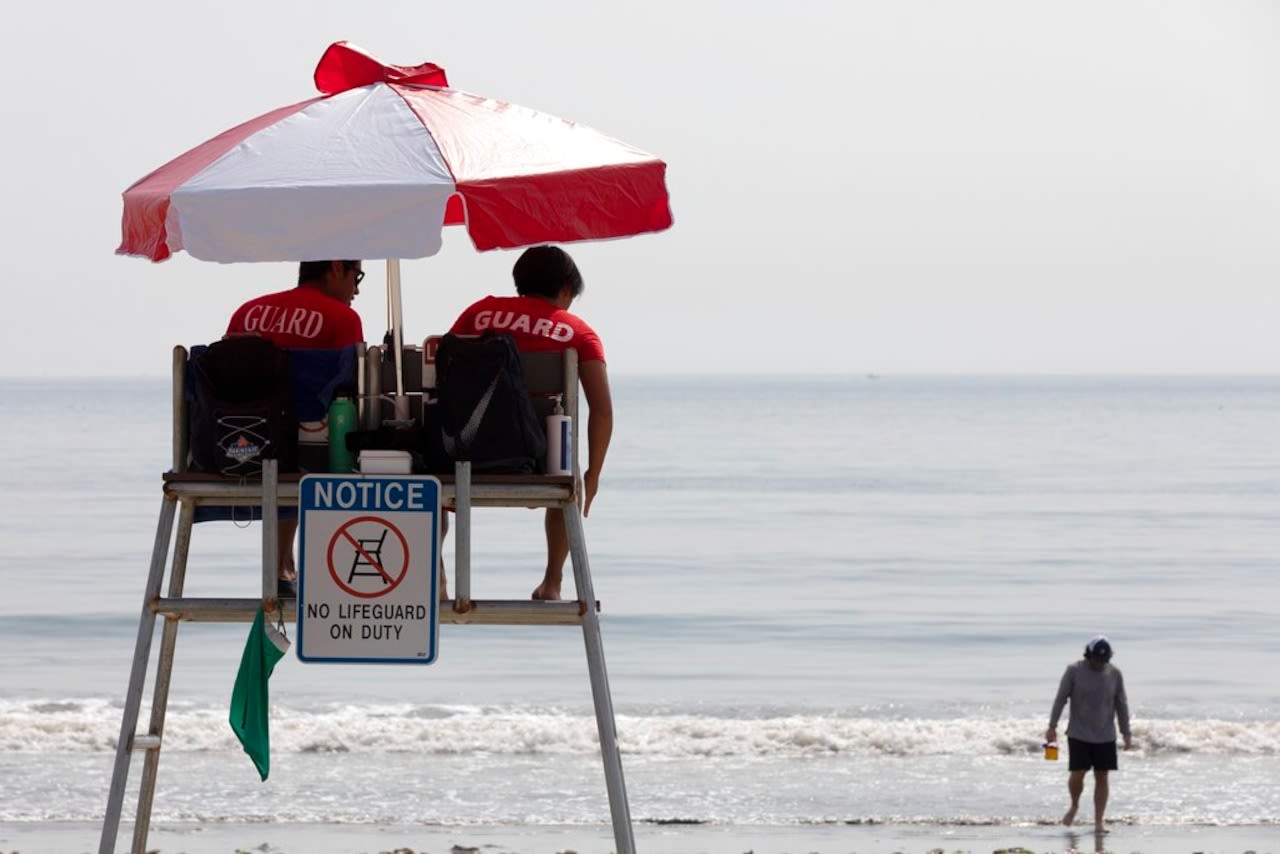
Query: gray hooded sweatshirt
[{"x": 1097, "y": 701}]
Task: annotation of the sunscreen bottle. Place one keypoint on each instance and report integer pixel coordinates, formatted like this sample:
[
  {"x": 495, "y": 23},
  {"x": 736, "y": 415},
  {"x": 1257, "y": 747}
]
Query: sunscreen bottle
[{"x": 559, "y": 441}]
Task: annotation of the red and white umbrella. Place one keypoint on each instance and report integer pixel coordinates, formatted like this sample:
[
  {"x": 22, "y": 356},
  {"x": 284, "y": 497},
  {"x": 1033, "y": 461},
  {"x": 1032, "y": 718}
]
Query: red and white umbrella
[{"x": 376, "y": 166}]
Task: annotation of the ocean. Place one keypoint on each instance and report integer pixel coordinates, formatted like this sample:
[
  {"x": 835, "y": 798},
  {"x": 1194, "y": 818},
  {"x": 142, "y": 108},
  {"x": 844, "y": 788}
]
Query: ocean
[{"x": 827, "y": 604}]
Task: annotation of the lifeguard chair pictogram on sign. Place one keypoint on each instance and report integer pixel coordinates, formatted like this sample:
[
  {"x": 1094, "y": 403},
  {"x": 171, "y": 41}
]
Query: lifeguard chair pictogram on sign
[
  {"x": 368, "y": 554},
  {"x": 356, "y": 554}
]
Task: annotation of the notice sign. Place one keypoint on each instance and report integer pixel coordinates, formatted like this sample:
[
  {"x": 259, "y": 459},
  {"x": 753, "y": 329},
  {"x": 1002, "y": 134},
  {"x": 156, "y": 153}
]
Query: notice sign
[{"x": 367, "y": 570}]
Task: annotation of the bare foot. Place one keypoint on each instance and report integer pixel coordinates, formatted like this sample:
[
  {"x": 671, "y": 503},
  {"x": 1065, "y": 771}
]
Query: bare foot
[
  {"x": 1099, "y": 829},
  {"x": 546, "y": 591},
  {"x": 1070, "y": 816}
]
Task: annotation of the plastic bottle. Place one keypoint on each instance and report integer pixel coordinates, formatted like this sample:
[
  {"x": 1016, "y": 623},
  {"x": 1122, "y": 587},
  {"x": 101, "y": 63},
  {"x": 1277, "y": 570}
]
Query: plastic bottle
[
  {"x": 1051, "y": 750},
  {"x": 559, "y": 442},
  {"x": 342, "y": 420}
]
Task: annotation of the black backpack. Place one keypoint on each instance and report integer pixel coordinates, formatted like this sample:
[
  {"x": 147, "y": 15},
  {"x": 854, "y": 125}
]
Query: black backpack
[
  {"x": 482, "y": 412},
  {"x": 242, "y": 409}
]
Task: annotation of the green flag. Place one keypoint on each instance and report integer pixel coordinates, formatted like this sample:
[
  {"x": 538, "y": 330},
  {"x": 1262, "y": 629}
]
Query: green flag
[{"x": 250, "y": 705}]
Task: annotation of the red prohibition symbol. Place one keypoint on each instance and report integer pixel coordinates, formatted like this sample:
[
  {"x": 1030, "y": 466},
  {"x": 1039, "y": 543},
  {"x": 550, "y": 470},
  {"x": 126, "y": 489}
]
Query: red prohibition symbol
[{"x": 367, "y": 560}]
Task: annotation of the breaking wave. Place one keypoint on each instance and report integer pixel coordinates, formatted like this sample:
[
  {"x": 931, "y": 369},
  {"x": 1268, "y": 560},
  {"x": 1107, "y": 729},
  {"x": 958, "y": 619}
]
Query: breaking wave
[{"x": 93, "y": 726}]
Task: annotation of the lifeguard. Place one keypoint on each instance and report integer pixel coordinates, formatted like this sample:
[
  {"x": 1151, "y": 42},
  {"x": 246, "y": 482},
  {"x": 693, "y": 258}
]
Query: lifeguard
[
  {"x": 315, "y": 315},
  {"x": 547, "y": 282}
]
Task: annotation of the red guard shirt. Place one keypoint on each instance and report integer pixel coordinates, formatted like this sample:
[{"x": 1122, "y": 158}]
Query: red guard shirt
[
  {"x": 301, "y": 318},
  {"x": 537, "y": 325}
]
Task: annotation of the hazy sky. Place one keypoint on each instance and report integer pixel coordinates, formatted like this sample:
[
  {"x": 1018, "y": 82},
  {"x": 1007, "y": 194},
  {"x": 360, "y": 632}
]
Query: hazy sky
[{"x": 889, "y": 187}]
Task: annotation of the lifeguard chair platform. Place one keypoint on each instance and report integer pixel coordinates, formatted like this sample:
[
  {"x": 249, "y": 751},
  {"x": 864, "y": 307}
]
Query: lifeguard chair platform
[{"x": 184, "y": 491}]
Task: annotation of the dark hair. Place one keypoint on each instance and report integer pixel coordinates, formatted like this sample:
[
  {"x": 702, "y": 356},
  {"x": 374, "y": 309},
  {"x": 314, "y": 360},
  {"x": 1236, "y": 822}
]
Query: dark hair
[
  {"x": 541, "y": 271},
  {"x": 313, "y": 271}
]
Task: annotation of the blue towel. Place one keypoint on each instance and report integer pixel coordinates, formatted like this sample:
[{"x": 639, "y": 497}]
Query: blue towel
[{"x": 317, "y": 376}]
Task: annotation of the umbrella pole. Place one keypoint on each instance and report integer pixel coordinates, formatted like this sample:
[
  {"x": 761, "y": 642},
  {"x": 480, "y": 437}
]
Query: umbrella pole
[{"x": 397, "y": 336}]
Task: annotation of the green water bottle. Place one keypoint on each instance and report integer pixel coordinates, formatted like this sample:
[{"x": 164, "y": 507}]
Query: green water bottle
[{"x": 342, "y": 420}]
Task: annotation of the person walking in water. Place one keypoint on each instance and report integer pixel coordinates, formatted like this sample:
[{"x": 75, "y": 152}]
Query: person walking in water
[{"x": 1095, "y": 689}]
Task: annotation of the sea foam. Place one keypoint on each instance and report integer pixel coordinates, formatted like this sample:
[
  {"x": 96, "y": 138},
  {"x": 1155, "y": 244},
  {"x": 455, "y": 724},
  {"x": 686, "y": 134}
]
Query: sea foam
[{"x": 93, "y": 725}]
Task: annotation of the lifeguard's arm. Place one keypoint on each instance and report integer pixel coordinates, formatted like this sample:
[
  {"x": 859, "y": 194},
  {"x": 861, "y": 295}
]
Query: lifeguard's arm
[
  {"x": 595, "y": 385},
  {"x": 1059, "y": 703},
  {"x": 1122, "y": 711}
]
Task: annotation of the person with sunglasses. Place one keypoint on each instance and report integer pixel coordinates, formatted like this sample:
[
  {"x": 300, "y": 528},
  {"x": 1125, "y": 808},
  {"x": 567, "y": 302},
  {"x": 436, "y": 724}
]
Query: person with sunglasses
[{"x": 315, "y": 315}]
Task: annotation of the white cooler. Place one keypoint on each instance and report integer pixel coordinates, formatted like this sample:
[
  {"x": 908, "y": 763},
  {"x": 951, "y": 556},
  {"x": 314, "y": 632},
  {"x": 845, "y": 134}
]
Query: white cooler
[{"x": 386, "y": 462}]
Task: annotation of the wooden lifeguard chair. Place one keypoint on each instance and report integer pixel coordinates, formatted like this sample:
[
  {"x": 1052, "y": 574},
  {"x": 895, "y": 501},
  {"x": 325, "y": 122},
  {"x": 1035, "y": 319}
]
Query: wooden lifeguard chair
[{"x": 185, "y": 491}]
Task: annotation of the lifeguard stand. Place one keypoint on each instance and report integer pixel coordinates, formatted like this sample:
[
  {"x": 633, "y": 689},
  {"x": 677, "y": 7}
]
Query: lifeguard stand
[{"x": 185, "y": 491}]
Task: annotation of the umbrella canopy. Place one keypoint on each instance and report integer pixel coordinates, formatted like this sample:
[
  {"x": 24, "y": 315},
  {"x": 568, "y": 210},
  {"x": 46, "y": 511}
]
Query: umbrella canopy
[{"x": 377, "y": 165}]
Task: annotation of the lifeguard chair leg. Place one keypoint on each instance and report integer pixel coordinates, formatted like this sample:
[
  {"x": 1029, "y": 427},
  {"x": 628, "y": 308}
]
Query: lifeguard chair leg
[
  {"x": 619, "y": 809},
  {"x": 462, "y": 537},
  {"x": 137, "y": 677},
  {"x": 164, "y": 674}
]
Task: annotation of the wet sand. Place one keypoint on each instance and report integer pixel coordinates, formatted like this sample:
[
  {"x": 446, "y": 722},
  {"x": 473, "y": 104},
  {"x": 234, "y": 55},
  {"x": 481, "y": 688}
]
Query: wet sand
[{"x": 73, "y": 838}]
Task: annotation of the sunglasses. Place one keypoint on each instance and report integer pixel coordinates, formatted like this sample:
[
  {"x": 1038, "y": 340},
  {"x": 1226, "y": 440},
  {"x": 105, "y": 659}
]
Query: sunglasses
[{"x": 359, "y": 277}]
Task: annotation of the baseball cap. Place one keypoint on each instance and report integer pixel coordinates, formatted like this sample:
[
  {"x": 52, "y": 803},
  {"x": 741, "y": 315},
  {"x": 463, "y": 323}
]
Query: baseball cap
[{"x": 1098, "y": 648}]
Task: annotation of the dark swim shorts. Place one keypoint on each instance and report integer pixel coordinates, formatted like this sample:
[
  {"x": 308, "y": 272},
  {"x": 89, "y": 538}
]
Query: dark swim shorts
[{"x": 1083, "y": 755}]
